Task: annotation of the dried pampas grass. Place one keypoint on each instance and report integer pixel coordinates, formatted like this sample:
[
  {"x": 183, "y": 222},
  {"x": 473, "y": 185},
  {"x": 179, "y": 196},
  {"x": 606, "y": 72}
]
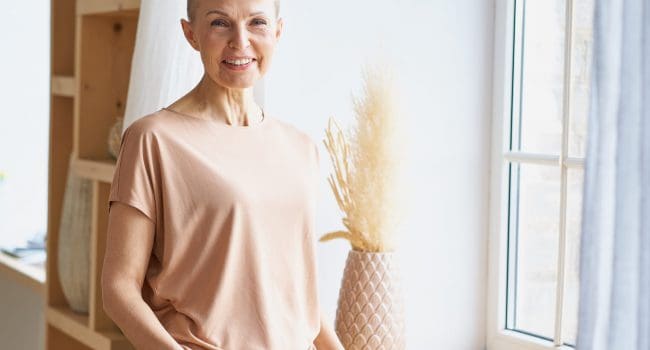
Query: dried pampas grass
[{"x": 366, "y": 166}]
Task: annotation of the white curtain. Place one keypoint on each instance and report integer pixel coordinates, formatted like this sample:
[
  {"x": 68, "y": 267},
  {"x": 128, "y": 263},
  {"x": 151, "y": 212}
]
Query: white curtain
[
  {"x": 164, "y": 65},
  {"x": 614, "y": 312}
]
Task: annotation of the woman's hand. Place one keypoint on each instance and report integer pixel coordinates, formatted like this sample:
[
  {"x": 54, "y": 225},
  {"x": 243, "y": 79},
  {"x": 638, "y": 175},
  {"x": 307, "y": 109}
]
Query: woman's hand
[{"x": 327, "y": 338}]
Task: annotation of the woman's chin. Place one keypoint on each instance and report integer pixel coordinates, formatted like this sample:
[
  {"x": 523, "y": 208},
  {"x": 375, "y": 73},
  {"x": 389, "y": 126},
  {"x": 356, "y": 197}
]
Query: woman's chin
[{"x": 237, "y": 83}]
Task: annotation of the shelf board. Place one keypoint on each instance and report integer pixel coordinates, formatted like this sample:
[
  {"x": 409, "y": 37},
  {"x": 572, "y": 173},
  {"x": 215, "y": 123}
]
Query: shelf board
[
  {"x": 76, "y": 325},
  {"x": 32, "y": 276},
  {"x": 63, "y": 86},
  {"x": 93, "y": 7},
  {"x": 100, "y": 170}
]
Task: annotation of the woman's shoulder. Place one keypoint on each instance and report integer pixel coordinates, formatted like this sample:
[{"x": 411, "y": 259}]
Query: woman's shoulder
[{"x": 146, "y": 124}]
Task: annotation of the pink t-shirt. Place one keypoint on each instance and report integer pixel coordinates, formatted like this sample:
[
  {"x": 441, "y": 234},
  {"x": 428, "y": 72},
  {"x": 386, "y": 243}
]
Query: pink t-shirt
[{"x": 233, "y": 265}]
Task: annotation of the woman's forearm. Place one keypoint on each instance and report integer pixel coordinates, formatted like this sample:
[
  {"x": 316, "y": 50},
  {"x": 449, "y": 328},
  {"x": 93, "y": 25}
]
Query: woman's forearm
[
  {"x": 327, "y": 338},
  {"x": 137, "y": 321}
]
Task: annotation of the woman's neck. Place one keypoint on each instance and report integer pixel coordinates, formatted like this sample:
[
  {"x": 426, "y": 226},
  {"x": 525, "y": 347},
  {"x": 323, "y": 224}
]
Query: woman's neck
[{"x": 211, "y": 101}]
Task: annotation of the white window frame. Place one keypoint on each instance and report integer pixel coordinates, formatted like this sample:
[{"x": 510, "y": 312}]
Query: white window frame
[{"x": 498, "y": 337}]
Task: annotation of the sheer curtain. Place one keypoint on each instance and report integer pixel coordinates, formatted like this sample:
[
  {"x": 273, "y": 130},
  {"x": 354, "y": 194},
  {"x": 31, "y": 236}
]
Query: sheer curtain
[
  {"x": 615, "y": 249},
  {"x": 164, "y": 65}
]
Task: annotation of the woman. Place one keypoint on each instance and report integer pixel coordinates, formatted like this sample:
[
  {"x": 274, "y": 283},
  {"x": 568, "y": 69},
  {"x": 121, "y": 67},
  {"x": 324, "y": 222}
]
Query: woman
[{"x": 211, "y": 210}]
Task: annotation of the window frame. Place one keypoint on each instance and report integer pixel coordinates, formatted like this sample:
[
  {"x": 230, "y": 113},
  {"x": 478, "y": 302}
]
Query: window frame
[{"x": 504, "y": 70}]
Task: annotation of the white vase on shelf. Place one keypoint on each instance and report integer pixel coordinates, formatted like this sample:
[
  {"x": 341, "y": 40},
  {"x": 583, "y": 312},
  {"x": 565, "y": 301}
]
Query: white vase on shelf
[{"x": 74, "y": 241}]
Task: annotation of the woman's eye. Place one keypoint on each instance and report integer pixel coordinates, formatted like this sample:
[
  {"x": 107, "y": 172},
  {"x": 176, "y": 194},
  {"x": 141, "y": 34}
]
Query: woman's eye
[
  {"x": 219, "y": 22},
  {"x": 259, "y": 22}
]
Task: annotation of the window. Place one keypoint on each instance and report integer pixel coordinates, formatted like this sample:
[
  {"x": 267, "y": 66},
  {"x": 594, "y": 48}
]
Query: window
[{"x": 542, "y": 81}]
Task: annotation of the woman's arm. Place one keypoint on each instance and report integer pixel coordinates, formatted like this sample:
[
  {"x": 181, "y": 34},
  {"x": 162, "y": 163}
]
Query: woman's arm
[
  {"x": 327, "y": 338},
  {"x": 128, "y": 247}
]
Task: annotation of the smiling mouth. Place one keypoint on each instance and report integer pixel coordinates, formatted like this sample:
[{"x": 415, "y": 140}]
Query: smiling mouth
[{"x": 239, "y": 62}]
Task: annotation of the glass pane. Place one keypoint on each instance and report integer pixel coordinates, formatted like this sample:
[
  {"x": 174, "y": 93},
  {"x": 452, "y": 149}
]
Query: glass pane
[
  {"x": 534, "y": 214},
  {"x": 573, "y": 225},
  {"x": 583, "y": 15},
  {"x": 542, "y": 74}
]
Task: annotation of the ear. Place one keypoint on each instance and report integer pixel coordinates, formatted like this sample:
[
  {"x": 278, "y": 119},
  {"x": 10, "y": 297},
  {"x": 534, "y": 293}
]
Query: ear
[
  {"x": 188, "y": 32},
  {"x": 278, "y": 28}
]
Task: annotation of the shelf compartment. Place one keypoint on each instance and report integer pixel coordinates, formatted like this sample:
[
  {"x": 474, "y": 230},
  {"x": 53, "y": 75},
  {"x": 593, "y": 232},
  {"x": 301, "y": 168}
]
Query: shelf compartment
[
  {"x": 57, "y": 339},
  {"x": 105, "y": 53},
  {"x": 95, "y": 169},
  {"x": 88, "y": 7},
  {"x": 62, "y": 36},
  {"x": 76, "y": 326},
  {"x": 63, "y": 86}
]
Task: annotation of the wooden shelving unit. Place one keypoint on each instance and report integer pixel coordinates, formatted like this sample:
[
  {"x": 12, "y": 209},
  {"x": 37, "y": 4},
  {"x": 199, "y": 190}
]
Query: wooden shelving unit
[{"x": 92, "y": 46}]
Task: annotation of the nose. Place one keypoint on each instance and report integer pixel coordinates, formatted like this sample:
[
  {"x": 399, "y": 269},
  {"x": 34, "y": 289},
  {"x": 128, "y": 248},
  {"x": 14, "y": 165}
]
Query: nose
[{"x": 240, "y": 38}]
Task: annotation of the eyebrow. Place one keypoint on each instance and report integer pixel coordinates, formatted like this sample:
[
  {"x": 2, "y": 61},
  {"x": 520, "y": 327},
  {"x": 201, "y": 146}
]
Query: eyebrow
[{"x": 225, "y": 14}]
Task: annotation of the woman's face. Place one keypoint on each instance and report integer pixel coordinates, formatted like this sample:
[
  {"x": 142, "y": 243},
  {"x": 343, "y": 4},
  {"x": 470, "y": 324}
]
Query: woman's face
[{"x": 236, "y": 39}]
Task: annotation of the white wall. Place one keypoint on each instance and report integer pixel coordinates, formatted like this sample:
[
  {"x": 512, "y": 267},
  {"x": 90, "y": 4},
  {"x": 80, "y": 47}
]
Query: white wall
[
  {"x": 22, "y": 316},
  {"x": 24, "y": 138},
  {"x": 443, "y": 51},
  {"x": 24, "y": 120}
]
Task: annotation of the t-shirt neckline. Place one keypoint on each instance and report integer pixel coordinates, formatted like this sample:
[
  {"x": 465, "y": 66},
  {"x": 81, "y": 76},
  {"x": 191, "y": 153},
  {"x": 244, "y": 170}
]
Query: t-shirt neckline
[{"x": 223, "y": 125}]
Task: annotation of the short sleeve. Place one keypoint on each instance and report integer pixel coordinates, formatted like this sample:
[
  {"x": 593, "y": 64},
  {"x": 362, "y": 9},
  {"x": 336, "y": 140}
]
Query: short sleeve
[{"x": 134, "y": 181}]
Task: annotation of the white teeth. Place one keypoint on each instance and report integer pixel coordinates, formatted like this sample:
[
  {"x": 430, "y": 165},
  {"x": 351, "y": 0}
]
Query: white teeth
[{"x": 240, "y": 62}]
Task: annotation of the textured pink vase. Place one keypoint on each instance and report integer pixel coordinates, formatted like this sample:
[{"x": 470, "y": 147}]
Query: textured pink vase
[{"x": 370, "y": 310}]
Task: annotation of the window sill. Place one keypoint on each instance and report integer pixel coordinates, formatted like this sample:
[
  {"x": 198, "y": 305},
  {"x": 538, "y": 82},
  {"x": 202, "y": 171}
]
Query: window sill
[{"x": 511, "y": 340}]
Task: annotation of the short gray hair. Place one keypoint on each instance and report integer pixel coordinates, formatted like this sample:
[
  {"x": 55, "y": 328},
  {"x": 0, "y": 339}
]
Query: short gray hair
[{"x": 191, "y": 5}]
